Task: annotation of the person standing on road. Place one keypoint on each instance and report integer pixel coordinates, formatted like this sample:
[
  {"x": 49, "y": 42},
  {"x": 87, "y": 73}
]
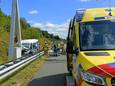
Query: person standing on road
[{"x": 55, "y": 50}]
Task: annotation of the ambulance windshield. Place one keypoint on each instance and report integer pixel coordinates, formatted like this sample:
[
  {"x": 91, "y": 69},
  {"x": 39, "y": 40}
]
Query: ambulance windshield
[{"x": 97, "y": 35}]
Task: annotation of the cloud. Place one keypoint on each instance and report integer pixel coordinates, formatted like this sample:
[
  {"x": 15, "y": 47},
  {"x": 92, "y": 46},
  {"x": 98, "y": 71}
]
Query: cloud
[
  {"x": 57, "y": 29},
  {"x": 30, "y": 22},
  {"x": 85, "y": 0},
  {"x": 33, "y": 12}
]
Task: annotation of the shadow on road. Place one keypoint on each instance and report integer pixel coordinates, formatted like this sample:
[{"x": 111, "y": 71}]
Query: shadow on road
[{"x": 54, "y": 80}]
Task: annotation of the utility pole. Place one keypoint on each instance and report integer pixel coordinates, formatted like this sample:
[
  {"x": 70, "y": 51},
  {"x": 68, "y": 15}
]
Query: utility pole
[
  {"x": 14, "y": 29},
  {"x": 0, "y": 4}
]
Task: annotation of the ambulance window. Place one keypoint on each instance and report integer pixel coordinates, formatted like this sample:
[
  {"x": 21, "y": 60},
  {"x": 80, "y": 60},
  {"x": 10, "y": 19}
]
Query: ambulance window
[
  {"x": 70, "y": 32},
  {"x": 97, "y": 35},
  {"x": 74, "y": 35},
  {"x": 71, "y": 41}
]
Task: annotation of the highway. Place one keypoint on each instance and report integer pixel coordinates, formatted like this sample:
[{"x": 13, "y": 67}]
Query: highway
[{"x": 53, "y": 73}]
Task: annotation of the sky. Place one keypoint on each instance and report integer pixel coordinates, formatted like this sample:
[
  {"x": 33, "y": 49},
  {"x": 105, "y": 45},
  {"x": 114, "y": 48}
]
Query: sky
[{"x": 52, "y": 15}]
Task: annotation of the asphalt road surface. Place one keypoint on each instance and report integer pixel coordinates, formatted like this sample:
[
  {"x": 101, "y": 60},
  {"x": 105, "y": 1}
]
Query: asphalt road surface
[{"x": 53, "y": 73}]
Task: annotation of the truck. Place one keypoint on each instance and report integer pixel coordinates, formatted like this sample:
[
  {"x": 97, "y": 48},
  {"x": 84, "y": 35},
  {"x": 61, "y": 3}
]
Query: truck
[{"x": 91, "y": 47}]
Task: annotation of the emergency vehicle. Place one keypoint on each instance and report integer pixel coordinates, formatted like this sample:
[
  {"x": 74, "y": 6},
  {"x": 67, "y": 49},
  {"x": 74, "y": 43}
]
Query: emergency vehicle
[
  {"x": 30, "y": 46},
  {"x": 91, "y": 47}
]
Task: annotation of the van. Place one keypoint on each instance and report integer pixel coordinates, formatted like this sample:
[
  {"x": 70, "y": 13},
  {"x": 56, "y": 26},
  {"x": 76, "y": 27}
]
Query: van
[
  {"x": 91, "y": 47},
  {"x": 29, "y": 46}
]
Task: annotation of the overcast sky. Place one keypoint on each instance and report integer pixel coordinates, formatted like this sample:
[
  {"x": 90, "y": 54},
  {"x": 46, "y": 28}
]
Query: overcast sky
[{"x": 52, "y": 15}]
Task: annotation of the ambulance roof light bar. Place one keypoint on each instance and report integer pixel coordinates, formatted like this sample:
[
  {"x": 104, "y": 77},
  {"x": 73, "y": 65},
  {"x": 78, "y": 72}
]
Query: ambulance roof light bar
[
  {"x": 109, "y": 7},
  {"x": 79, "y": 14}
]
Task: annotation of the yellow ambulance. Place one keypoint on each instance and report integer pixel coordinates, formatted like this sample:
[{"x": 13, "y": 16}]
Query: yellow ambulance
[{"x": 91, "y": 47}]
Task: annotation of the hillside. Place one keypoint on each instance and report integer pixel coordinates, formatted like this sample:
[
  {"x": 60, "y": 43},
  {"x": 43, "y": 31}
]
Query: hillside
[{"x": 28, "y": 32}]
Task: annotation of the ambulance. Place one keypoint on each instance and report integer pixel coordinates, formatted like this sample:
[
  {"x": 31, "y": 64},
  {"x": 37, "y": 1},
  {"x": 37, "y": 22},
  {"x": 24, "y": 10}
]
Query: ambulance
[
  {"x": 91, "y": 47},
  {"x": 30, "y": 46}
]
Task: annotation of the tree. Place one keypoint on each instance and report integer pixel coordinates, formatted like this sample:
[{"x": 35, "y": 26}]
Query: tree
[{"x": 24, "y": 24}]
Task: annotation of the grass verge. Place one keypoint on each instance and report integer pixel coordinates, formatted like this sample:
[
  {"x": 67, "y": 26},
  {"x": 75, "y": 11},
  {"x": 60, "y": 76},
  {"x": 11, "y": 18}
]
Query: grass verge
[{"x": 25, "y": 74}]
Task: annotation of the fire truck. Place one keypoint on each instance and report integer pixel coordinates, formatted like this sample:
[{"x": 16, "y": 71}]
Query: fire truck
[{"x": 91, "y": 47}]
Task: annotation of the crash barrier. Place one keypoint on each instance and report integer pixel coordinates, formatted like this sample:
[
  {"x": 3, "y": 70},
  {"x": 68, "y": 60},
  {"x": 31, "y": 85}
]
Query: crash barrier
[{"x": 9, "y": 68}]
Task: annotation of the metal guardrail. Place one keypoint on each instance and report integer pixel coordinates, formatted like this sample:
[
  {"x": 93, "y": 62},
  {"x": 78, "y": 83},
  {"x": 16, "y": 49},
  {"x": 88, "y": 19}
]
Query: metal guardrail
[{"x": 11, "y": 67}]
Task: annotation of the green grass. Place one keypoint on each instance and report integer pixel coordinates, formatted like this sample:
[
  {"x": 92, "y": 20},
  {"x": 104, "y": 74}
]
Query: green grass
[
  {"x": 3, "y": 46},
  {"x": 24, "y": 76}
]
